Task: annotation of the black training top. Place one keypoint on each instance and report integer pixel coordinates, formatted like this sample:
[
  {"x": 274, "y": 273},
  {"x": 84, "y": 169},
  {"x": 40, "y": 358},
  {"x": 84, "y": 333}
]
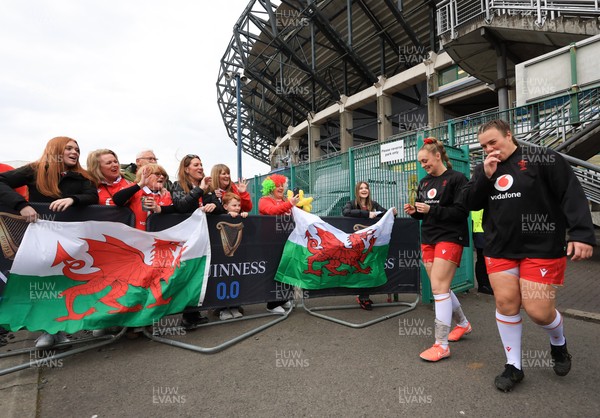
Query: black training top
[
  {"x": 447, "y": 217},
  {"x": 530, "y": 201}
]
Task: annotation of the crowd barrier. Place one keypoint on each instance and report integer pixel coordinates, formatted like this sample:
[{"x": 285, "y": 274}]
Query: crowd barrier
[{"x": 245, "y": 254}]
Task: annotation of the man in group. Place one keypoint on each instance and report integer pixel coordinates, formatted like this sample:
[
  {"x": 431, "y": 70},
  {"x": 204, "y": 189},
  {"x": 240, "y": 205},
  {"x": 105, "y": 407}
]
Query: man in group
[{"x": 143, "y": 157}]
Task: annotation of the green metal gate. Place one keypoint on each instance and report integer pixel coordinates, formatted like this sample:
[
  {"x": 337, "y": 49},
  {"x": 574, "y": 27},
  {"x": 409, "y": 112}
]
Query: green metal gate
[{"x": 331, "y": 183}]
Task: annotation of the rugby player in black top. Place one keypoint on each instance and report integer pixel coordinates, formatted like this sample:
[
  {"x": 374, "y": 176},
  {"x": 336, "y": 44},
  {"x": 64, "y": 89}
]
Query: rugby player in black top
[
  {"x": 444, "y": 233},
  {"x": 530, "y": 196}
]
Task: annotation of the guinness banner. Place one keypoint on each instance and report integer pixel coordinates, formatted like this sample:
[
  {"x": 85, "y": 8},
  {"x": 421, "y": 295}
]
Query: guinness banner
[{"x": 245, "y": 254}]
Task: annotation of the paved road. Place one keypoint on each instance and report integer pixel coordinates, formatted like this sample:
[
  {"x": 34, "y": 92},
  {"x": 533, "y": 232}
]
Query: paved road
[{"x": 306, "y": 366}]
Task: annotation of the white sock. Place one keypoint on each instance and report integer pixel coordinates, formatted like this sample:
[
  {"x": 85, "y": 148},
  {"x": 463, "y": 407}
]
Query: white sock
[
  {"x": 555, "y": 330},
  {"x": 510, "y": 329},
  {"x": 443, "y": 312},
  {"x": 457, "y": 312}
]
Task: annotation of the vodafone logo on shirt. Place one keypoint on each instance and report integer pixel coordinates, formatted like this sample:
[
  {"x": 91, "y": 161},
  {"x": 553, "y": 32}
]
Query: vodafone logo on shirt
[
  {"x": 431, "y": 193},
  {"x": 504, "y": 182}
]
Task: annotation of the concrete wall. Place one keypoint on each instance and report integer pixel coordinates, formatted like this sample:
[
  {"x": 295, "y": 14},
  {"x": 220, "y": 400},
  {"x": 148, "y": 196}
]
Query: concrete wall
[{"x": 551, "y": 74}]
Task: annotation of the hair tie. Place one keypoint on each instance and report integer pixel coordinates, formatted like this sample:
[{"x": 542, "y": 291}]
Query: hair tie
[{"x": 429, "y": 140}]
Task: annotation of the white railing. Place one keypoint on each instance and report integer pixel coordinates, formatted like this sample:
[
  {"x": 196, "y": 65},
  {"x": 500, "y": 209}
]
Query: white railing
[{"x": 452, "y": 13}]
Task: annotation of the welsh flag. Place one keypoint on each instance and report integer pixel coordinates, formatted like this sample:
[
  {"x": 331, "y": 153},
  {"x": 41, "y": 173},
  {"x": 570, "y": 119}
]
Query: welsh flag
[
  {"x": 69, "y": 276},
  {"x": 319, "y": 256}
]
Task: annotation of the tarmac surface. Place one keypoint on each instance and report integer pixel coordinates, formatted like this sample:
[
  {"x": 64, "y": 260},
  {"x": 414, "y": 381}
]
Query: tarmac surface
[{"x": 308, "y": 366}]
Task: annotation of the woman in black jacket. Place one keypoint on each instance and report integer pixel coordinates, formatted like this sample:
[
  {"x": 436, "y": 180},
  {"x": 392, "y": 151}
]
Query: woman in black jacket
[
  {"x": 191, "y": 190},
  {"x": 189, "y": 193},
  {"x": 363, "y": 207},
  {"x": 56, "y": 178},
  {"x": 444, "y": 234}
]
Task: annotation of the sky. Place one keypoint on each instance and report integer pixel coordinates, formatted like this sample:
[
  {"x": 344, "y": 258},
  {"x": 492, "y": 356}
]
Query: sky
[{"x": 127, "y": 75}]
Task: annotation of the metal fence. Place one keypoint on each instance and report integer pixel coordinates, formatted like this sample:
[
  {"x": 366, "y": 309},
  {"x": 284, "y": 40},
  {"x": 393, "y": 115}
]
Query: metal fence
[{"x": 331, "y": 181}]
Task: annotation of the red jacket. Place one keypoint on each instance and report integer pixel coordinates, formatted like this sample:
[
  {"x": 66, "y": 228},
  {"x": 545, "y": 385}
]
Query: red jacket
[
  {"x": 106, "y": 191},
  {"x": 132, "y": 197},
  {"x": 267, "y": 205}
]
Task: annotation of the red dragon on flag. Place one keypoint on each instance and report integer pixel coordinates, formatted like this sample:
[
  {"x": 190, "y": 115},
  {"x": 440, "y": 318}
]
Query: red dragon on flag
[
  {"x": 119, "y": 266},
  {"x": 336, "y": 253},
  {"x": 317, "y": 255}
]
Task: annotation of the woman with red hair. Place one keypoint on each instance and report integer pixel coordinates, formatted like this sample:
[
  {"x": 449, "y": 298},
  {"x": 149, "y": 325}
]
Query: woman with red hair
[
  {"x": 56, "y": 178},
  {"x": 444, "y": 233},
  {"x": 273, "y": 203}
]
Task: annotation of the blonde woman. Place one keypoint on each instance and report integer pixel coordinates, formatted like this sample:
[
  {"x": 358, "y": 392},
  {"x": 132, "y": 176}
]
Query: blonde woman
[{"x": 444, "y": 233}]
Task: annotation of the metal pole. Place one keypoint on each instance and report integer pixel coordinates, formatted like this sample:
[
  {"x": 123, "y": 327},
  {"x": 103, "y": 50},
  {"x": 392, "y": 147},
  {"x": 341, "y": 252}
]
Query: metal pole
[
  {"x": 239, "y": 125},
  {"x": 502, "y": 76},
  {"x": 574, "y": 109}
]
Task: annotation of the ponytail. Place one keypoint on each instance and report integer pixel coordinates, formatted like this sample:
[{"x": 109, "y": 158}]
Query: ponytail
[{"x": 434, "y": 146}]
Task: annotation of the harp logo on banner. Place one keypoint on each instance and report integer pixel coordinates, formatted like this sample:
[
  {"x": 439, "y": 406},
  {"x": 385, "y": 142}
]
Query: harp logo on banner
[
  {"x": 231, "y": 236},
  {"x": 12, "y": 229}
]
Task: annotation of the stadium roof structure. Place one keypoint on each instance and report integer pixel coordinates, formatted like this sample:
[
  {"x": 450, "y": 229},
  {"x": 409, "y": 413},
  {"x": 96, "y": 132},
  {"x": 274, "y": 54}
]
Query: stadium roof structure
[{"x": 293, "y": 58}]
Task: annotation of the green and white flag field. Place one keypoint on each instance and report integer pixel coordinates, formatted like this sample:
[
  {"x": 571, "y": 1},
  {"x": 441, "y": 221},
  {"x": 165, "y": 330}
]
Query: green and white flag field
[
  {"x": 70, "y": 276},
  {"x": 319, "y": 256}
]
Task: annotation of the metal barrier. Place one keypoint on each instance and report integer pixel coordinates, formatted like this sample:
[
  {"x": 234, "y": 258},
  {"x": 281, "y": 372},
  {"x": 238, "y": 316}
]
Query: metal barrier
[
  {"x": 314, "y": 311},
  {"x": 227, "y": 343},
  {"x": 95, "y": 342}
]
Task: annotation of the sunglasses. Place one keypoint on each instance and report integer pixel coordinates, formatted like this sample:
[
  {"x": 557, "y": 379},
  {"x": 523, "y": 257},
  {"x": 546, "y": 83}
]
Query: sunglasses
[
  {"x": 149, "y": 158},
  {"x": 192, "y": 156}
]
